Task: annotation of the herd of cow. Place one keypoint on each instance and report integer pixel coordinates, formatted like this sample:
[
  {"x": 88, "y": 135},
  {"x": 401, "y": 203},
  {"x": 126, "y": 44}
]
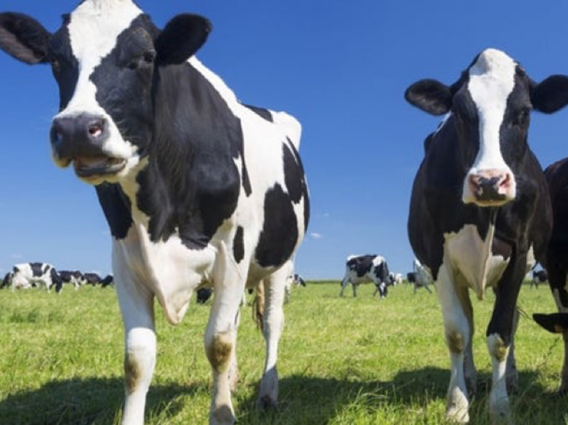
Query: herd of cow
[
  {"x": 199, "y": 189},
  {"x": 30, "y": 275}
]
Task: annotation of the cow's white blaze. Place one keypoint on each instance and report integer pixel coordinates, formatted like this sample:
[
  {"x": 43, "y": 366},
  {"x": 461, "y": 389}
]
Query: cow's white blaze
[
  {"x": 491, "y": 81},
  {"x": 94, "y": 28}
]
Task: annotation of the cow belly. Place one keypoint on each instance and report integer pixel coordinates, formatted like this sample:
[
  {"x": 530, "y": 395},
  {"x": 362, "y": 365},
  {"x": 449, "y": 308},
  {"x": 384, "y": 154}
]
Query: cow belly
[
  {"x": 471, "y": 260},
  {"x": 169, "y": 270}
]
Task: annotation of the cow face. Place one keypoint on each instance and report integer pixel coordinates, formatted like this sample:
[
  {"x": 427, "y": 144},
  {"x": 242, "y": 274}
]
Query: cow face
[
  {"x": 106, "y": 59},
  {"x": 489, "y": 109}
]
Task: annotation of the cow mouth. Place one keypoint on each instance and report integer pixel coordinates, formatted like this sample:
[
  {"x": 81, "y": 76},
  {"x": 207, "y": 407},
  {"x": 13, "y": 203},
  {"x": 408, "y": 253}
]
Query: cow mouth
[{"x": 97, "y": 166}]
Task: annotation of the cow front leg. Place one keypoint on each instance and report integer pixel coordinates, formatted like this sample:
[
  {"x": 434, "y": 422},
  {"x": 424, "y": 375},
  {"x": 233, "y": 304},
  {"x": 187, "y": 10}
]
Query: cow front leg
[
  {"x": 273, "y": 323},
  {"x": 221, "y": 335},
  {"x": 458, "y": 333},
  {"x": 137, "y": 308},
  {"x": 500, "y": 337}
]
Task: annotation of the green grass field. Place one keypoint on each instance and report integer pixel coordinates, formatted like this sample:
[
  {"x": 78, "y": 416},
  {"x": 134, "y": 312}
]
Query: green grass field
[{"x": 342, "y": 361}]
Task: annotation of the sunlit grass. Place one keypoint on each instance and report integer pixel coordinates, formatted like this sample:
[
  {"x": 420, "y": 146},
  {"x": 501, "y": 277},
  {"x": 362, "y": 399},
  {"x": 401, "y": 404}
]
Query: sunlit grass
[{"x": 342, "y": 361}]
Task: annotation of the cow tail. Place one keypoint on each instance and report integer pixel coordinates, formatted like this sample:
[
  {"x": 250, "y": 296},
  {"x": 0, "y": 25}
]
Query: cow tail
[{"x": 258, "y": 305}]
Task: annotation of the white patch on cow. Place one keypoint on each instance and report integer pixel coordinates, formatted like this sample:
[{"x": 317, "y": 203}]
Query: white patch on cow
[
  {"x": 24, "y": 277},
  {"x": 93, "y": 30},
  {"x": 472, "y": 257},
  {"x": 491, "y": 81}
]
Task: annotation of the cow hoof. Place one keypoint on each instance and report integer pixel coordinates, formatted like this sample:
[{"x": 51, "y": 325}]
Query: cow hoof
[
  {"x": 457, "y": 415},
  {"x": 222, "y": 416},
  {"x": 500, "y": 414},
  {"x": 267, "y": 403}
]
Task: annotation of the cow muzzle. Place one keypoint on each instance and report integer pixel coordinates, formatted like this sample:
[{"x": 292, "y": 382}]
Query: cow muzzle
[
  {"x": 80, "y": 140},
  {"x": 489, "y": 188}
]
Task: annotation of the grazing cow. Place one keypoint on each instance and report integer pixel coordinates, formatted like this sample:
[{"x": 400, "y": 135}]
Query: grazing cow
[
  {"x": 556, "y": 262},
  {"x": 28, "y": 275},
  {"x": 293, "y": 280},
  {"x": 7, "y": 280},
  {"x": 421, "y": 276},
  {"x": 74, "y": 278},
  {"x": 366, "y": 269},
  {"x": 196, "y": 187},
  {"x": 480, "y": 211},
  {"x": 538, "y": 276},
  {"x": 95, "y": 279},
  {"x": 395, "y": 278}
]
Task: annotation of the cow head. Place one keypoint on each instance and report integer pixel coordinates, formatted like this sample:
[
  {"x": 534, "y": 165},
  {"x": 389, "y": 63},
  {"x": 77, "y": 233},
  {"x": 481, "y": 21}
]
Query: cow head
[
  {"x": 489, "y": 108},
  {"x": 105, "y": 59}
]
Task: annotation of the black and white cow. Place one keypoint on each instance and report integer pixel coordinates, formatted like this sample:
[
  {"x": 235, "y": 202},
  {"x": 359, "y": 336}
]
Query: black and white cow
[
  {"x": 196, "y": 187},
  {"x": 538, "y": 277},
  {"x": 7, "y": 280},
  {"x": 366, "y": 269},
  {"x": 28, "y": 275},
  {"x": 74, "y": 278},
  {"x": 556, "y": 262},
  {"x": 480, "y": 212}
]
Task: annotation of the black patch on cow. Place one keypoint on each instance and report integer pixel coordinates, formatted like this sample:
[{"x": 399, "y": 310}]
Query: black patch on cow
[
  {"x": 295, "y": 179},
  {"x": 239, "y": 245},
  {"x": 279, "y": 233},
  {"x": 263, "y": 112},
  {"x": 382, "y": 272},
  {"x": 116, "y": 208},
  {"x": 64, "y": 65},
  {"x": 37, "y": 269},
  {"x": 191, "y": 184},
  {"x": 361, "y": 264}
]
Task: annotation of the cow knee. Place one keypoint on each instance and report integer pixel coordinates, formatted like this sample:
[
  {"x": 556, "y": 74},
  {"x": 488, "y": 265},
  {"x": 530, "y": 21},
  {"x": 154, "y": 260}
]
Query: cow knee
[
  {"x": 139, "y": 360},
  {"x": 456, "y": 342},
  {"x": 219, "y": 350}
]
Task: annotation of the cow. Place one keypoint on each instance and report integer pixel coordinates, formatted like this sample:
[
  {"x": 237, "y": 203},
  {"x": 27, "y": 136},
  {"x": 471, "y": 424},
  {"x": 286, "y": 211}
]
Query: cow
[
  {"x": 293, "y": 280},
  {"x": 94, "y": 279},
  {"x": 479, "y": 211},
  {"x": 395, "y": 278},
  {"x": 197, "y": 188},
  {"x": 28, "y": 275},
  {"x": 7, "y": 280},
  {"x": 74, "y": 278},
  {"x": 539, "y": 276},
  {"x": 365, "y": 269},
  {"x": 556, "y": 261},
  {"x": 421, "y": 277}
]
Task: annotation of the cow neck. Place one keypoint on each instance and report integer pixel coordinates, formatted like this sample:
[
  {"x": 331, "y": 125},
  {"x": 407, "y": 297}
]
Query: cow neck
[{"x": 189, "y": 183}]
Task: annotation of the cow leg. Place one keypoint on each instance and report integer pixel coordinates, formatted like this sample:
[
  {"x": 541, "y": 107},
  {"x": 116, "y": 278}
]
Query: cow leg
[
  {"x": 500, "y": 336},
  {"x": 137, "y": 308},
  {"x": 344, "y": 284},
  {"x": 354, "y": 286},
  {"x": 470, "y": 371},
  {"x": 558, "y": 279},
  {"x": 221, "y": 334},
  {"x": 458, "y": 333},
  {"x": 273, "y": 324}
]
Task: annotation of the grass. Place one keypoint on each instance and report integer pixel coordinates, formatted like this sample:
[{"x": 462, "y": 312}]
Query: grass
[{"x": 343, "y": 361}]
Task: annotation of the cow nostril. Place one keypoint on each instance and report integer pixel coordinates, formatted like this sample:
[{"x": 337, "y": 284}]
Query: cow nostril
[
  {"x": 505, "y": 181},
  {"x": 96, "y": 129},
  {"x": 55, "y": 135}
]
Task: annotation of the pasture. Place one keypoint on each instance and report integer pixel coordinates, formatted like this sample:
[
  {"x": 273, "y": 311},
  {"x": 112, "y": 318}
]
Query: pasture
[{"x": 343, "y": 361}]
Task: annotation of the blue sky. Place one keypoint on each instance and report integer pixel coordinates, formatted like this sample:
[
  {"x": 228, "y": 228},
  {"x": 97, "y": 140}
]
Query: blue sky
[{"x": 340, "y": 67}]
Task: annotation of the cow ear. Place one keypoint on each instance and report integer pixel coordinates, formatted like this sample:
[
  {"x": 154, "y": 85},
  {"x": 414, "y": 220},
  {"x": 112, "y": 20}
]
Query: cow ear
[
  {"x": 24, "y": 38},
  {"x": 551, "y": 94},
  {"x": 431, "y": 96},
  {"x": 182, "y": 37}
]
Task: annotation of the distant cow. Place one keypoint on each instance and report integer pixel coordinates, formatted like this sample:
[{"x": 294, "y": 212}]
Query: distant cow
[
  {"x": 95, "y": 279},
  {"x": 27, "y": 275},
  {"x": 396, "y": 278},
  {"x": 420, "y": 276},
  {"x": 7, "y": 280},
  {"x": 480, "y": 209},
  {"x": 74, "y": 278},
  {"x": 538, "y": 277},
  {"x": 195, "y": 185},
  {"x": 366, "y": 269},
  {"x": 556, "y": 263},
  {"x": 292, "y": 281}
]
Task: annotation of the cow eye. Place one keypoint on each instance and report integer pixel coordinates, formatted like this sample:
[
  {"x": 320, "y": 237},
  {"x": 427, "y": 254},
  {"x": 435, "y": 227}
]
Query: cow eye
[
  {"x": 522, "y": 118},
  {"x": 144, "y": 59}
]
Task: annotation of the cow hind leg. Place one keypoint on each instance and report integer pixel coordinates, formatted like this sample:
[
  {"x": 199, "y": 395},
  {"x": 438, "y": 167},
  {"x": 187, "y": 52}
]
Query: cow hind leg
[
  {"x": 458, "y": 333},
  {"x": 137, "y": 310},
  {"x": 221, "y": 335},
  {"x": 273, "y": 323}
]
